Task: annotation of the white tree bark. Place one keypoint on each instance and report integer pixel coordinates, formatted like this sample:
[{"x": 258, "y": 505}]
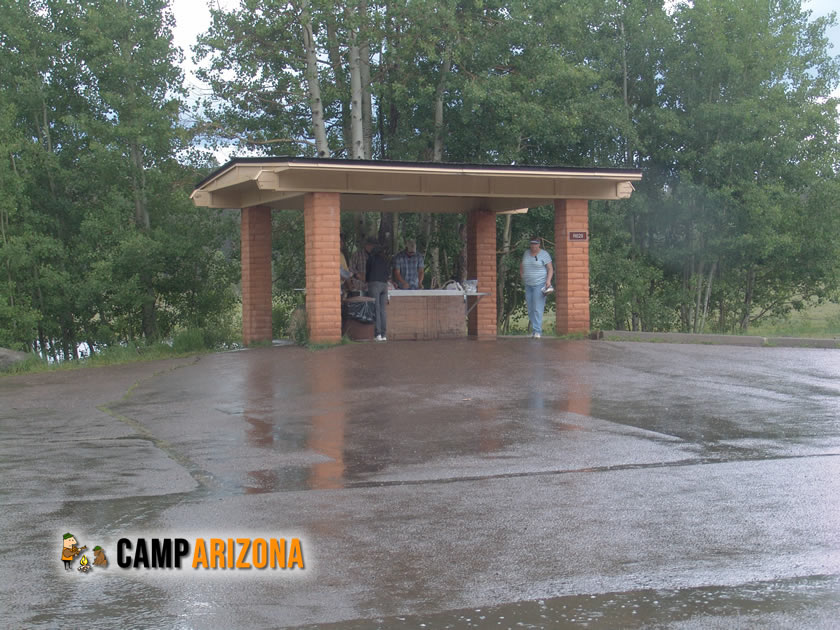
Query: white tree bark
[
  {"x": 356, "y": 128},
  {"x": 364, "y": 69},
  {"x": 438, "y": 141},
  {"x": 313, "y": 86}
]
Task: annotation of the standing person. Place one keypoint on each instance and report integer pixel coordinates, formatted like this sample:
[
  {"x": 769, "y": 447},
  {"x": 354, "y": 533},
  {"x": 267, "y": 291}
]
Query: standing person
[
  {"x": 377, "y": 281},
  {"x": 358, "y": 266},
  {"x": 536, "y": 271},
  {"x": 343, "y": 269},
  {"x": 69, "y": 550},
  {"x": 408, "y": 267}
]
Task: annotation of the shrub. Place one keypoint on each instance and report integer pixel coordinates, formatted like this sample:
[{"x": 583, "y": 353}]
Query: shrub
[{"x": 189, "y": 340}]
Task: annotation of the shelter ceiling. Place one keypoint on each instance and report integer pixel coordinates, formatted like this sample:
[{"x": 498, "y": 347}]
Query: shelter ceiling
[{"x": 405, "y": 187}]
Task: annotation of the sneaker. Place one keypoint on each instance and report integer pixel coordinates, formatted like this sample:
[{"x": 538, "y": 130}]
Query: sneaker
[
  {"x": 537, "y": 336},
  {"x": 384, "y": 338},
  {"x": 378, "y": 338}
]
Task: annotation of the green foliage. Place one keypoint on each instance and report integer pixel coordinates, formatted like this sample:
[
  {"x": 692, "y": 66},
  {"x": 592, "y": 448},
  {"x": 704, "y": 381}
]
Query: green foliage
[
  {"x": 31, "y": 364},
  {"x": 810, "y": 320},
  {"x": 283, "y": 307},
  {"x": 115, "y": 355},
  {"x": 99, "y": 243},
  {"x": 725, "y": 105},
  {"x": 297, "y": 328},
  {"x": 189, "y": 340}
]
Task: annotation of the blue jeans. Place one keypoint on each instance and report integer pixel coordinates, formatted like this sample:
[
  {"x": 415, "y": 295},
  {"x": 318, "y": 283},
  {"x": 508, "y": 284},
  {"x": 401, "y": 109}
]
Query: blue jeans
[{"x": 535, "y": 299}]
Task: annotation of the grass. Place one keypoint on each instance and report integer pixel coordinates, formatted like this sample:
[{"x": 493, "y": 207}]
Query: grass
[
  {"x": 519, "y": 325},
  {"x": 822, "y": 320},
  {"x": 344, "y": 341},
  {"x": 110, "y": 356}
]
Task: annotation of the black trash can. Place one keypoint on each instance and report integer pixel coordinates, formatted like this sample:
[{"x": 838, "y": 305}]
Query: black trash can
[{"x": 358, "y": 315}]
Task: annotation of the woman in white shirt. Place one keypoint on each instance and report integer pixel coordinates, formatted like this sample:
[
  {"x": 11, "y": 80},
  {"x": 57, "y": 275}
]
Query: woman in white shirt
[{"x": 536, "y": 270}]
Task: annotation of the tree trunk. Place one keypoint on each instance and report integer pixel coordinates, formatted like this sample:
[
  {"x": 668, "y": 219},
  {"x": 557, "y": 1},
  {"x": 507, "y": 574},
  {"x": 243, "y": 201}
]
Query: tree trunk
[
  {"x": 356, "y": 129},
  {"x": 364, "y": 71},
  {"x": 4, "y": 223},
  {"x": 429, "y": 227},
  {"x": 461, "y": 264},
  {"x": 141, "y": 220},
  {"x": 313, "y": 87},
  {"x": 437, "y": 151},
  {"x": 618, "y": 317},
  {"x": 42, "y": 342},
  {"x": 429, "y": 224},
  {"x": 649, "y": 326},
  {"x": 340, "y": 84},
  {"x": 388, "y": 228},
  {"x": 745, "y": 317},
  {"x": 436, "y": 281},
  {"x": 138, "y": 180},
  {"x": 685, "y": 314},
  {"x": 395, "y": 233},
  {"x": 149, "y": 313},
  {"x": 708, "y": 294},
  {"x": 42, "y": 337},
  {"x": 698, "y": 294},
  {"x": 628, "y": 150},
  {"x": 65, "y": 346},
  {"x": 426, "y": 230},
  {"x": 501, "y": 268}
]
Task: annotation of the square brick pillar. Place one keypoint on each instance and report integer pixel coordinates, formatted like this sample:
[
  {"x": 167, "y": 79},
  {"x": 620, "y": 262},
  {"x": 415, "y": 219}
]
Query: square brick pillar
[
  {"x": 256, "y": 274},
  {"x": 322, "y": 230},
  {"x": 571, "y": 265},
  {"x": 481, "y": 264}
]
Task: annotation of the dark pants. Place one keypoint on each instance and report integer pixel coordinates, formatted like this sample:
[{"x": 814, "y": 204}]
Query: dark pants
[{"x": 379, "y": 292}]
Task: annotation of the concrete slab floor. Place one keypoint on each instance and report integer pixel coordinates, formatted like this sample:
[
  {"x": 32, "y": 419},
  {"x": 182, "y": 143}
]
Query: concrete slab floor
[{"x": 512, "y": 483}]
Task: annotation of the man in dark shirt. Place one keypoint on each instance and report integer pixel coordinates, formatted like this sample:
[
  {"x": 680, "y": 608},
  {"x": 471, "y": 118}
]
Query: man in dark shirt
[{"x": 377, "y": 273}]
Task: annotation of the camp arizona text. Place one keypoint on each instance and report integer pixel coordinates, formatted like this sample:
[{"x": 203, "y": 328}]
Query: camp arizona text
[{"x": 215, "y": 553}]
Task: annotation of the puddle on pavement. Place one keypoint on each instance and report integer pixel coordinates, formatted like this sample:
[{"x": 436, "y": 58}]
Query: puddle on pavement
[
  {"x": 744, "y": 606},
  {"x": 337, "y": 419}
]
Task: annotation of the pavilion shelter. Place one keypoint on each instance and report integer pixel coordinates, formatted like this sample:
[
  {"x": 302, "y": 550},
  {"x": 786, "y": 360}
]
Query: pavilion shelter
[{"x": 323, "y": 188}]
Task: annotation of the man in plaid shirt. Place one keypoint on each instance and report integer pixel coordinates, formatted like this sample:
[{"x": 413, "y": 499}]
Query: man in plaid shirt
[{"x": 408, "y": 267}]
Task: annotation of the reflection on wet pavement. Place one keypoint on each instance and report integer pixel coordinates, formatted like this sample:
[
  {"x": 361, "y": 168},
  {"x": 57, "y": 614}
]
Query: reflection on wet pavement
[
  {"x": 442, "y": 476},
  {"x": 362, "y": 429},
  {"x": 381, "y": 414},
  {"x": 326, "y": 435},
  {"x": 802, "y": 602}
]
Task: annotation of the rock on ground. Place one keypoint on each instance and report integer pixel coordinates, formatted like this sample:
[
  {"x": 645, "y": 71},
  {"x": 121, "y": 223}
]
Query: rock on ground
[{"x": 9, "y": 357}]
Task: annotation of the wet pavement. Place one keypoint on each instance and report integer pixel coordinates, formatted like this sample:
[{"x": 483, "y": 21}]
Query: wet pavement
[{"x": 515, "y": 483}]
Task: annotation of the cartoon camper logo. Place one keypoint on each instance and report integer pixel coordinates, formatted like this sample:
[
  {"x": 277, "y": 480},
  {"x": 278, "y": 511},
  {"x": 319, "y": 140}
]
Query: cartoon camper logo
[
  {"x": 239, "y": 553},
  {"x": 70, "y": 550},
  {"x": 99, "y": 559}
]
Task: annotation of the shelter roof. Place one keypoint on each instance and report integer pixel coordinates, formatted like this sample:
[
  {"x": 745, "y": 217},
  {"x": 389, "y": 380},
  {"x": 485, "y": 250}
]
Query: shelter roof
[{"x": 385, "y": 186}]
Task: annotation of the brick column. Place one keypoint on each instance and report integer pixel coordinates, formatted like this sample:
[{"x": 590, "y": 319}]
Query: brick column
[
  {"x": 571, "y": 265},
  {"x": 322, "y": 228},
  {"x": 256, "y": 274},
  {"x": 481, "y": 264}
]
